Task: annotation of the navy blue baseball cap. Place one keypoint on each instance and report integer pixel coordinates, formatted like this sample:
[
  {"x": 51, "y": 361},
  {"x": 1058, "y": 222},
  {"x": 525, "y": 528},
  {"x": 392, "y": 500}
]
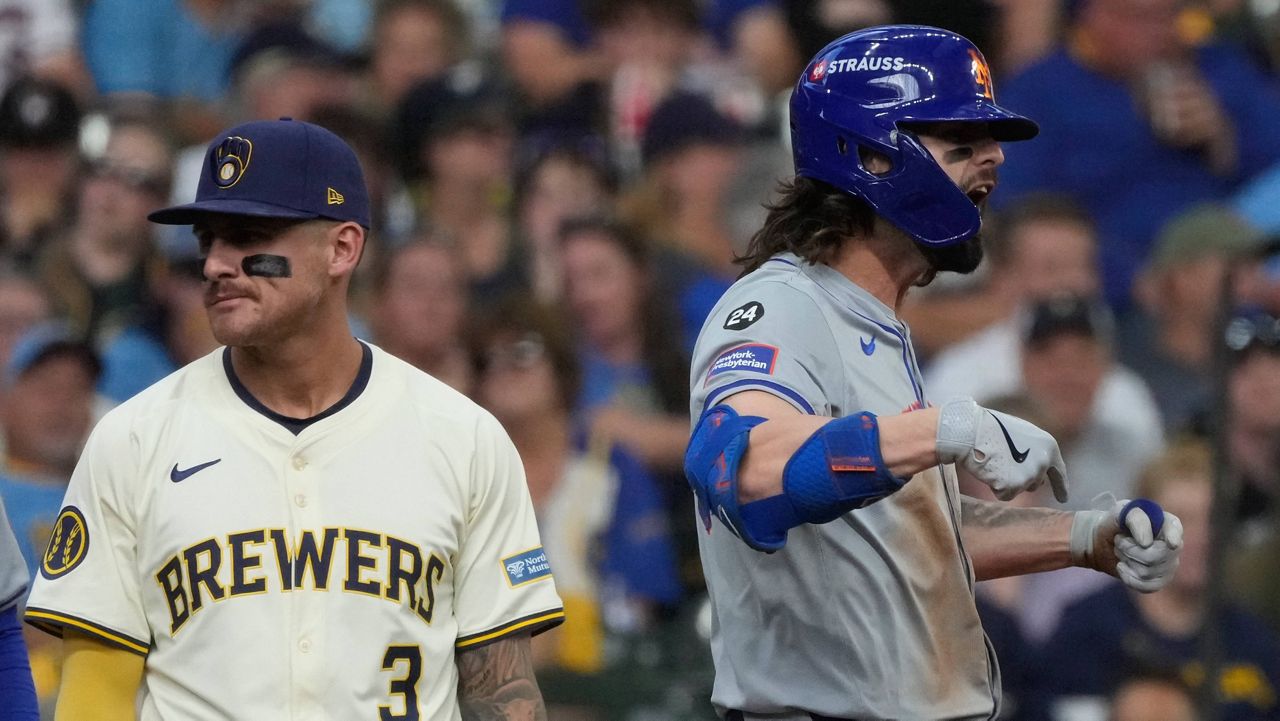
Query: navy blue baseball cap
[{"x": 276, "y": 169}]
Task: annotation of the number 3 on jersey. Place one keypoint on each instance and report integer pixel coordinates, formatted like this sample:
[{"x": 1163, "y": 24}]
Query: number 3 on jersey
[
  {"x": 406, "y": 686},
  {"x": 744, "y": 315}
]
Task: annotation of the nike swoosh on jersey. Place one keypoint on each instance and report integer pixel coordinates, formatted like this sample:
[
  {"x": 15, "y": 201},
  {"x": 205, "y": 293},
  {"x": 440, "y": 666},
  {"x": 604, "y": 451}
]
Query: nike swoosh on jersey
[
  {"x": 177, "y": 476},
  {"x": 868, "y": 348},
  {"x": 1018, "y": 455}
]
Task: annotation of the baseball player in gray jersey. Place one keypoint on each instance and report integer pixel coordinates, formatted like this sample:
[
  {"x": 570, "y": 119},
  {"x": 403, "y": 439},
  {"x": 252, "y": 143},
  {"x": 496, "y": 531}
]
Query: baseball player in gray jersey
[
  {"x": 839, "y": 555},
  {"x": 17, "y": 693}
]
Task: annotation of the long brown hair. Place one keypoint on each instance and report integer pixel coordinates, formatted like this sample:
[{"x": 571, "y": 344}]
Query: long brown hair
[
  {"x": 811, "y": 219},
  {"x": 667, "y": 362}
]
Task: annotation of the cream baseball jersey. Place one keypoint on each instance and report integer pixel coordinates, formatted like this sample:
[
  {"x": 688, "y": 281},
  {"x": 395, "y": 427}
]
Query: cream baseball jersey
[{"x": 270, "y": 568}]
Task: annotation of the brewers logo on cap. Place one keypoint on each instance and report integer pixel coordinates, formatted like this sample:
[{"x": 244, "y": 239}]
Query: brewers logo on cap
[{"x": 230, "y": 160}]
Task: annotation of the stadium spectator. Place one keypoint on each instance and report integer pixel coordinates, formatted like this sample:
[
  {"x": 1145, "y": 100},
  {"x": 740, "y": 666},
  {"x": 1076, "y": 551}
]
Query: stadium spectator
[
  {"x": 413, "y": 41},
  {"x": 634, "y": 375},
  {"x": 1138, "y": 124},
  {"x": 1114, "y": 632},
  {"x": 1153, "y": 696},
  {"x": 1034, "y": 601},
  {"x": 184, "y": 325},
  {"x": 1044, "y": 245},
  {"x": 1168, "y": 338},
  {"x": 39, "y": 129},
  {"x": 176, "y": 52},
  {"x": 646, "y": 45},
  {"x": 1253, "y": 428},
  {"x": 419, "y": 309},
  {"x": 23, "y": 304},
  {"x": 456, "y": 142},
  {"x": 38, "y": 37},
  {"x": 1107, "y": 434},
  {"x": 46, "y": 410},
  {"x": 1054, "y": 346},
  {"x": 601, "y": 515},
  {"x": 563, "y": 180},
  {"x": 692, "y": 154},
  {"x": 549, "y": 54},
  {"x": 280, "y": 70},
  {"x": 101, "y": 271}
]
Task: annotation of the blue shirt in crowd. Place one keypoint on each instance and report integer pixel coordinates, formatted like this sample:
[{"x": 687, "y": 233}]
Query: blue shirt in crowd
[
  {"x": 156, "y": 47},
  {"x": 717, "y": 18},
  {"x": 1102, "y": 638},
  {"x": 1096, "y": 146},
  {"x": 32, "y": 506}
]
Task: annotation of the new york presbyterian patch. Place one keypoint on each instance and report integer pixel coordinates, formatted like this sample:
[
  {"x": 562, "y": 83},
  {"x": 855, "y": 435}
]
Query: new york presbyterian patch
[
  {"x": 526, "y": 567},
  {"x": 749, "y": 357}
]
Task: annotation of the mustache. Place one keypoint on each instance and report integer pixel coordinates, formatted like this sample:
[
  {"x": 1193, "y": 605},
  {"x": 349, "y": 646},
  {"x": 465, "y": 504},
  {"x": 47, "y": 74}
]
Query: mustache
[{"x": 216, "y": 290}]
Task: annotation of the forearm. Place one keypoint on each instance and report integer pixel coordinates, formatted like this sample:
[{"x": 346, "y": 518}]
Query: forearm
[
  {"x": 496, "y": 683},
  {"x": 1008, "y": 540},
  {"x": 99, "y": 682}
]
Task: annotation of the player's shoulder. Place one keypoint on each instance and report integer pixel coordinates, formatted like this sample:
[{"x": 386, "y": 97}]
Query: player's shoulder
[
  {"x": 435, "y": 400},
  {"x": 780, "y": 284},
  {"x": 193, "y": 381}
]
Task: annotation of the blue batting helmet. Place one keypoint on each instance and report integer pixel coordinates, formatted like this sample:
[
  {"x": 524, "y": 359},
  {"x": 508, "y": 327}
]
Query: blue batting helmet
[{"x": 859, "y": 89}]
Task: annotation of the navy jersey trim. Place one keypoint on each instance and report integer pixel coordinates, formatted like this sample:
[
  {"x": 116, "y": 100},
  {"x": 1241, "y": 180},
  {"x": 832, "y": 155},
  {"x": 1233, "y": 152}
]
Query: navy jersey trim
[
  {"x": 533, "y": 624},
  {"x": 13, "y": 598},
  {"x": 795, "y": 397},
  {"x": 782, "y": 260},
  {"x": 53, "y": 622},
  {"x": 297, "y": 425}
]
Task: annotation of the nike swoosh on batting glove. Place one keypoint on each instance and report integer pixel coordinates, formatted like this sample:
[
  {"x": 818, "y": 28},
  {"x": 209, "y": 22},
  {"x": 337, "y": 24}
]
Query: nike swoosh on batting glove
[{"x": 1005, "y": 452}]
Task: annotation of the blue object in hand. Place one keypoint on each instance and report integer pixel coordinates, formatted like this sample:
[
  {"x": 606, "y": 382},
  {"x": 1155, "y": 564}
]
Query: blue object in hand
[{"x": 1151, "y": 508}]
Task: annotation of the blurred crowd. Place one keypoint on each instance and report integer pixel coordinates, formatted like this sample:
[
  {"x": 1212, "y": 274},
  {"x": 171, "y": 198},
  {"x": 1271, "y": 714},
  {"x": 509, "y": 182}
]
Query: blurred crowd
[{"x": 560, "y": 188}]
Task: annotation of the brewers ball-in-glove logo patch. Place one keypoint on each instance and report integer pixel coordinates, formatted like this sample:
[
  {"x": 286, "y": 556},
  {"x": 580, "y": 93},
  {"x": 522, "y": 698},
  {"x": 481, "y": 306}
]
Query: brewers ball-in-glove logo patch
[
  {"x": 526, "y": 567},
  {"x": 68, "y": 544},
  {"x": 230, "y": 160}
]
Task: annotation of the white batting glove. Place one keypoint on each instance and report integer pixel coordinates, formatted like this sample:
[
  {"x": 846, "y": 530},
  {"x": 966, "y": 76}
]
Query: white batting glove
[
  {"x": 1143, "y": 559},
  {"x": 1008, "y": 454}
]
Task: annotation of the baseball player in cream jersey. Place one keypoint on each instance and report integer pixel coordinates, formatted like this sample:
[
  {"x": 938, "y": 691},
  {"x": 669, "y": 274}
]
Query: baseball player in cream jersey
[
  {"x": 839, "y": 554},
  {"x": 298, "y": 525}
]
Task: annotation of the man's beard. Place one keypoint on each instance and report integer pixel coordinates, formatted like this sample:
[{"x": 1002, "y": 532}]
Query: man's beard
[{"x": 961, "y": 257}]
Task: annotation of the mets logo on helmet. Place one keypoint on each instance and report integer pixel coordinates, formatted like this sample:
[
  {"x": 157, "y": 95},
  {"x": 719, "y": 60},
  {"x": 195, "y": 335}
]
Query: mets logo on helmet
[
  {"x": 982, "y": 75},
  {"x": 230, "y": 160}
]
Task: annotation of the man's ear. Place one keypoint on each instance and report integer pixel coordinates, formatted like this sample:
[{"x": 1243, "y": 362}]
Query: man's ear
[
  {"x": 874, "y": 161},
  {"x": 346, "y": 243}
]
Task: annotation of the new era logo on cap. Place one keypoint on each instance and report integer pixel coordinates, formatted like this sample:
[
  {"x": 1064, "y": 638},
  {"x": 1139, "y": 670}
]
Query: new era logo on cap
[{"x": 277, "y": 169}]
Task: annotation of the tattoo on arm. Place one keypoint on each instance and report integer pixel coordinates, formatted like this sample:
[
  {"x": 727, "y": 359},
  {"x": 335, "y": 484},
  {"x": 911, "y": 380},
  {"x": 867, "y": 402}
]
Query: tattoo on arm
[
  {"x": 496, "y": 683},
  {"x": 1007, "y": 540}
]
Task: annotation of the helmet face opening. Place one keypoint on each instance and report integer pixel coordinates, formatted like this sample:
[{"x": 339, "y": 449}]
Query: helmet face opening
[{"x": 863, "y": 89}]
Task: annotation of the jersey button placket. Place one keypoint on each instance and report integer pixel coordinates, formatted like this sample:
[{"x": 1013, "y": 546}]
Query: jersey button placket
[{"x": 308, "y": 666}]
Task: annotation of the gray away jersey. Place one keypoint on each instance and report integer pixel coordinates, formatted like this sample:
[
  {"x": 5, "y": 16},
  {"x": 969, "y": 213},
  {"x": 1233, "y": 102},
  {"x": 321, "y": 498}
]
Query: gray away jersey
[
  {"x": 871, "y": 616},
  {"x": 13, "y": 570}
]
